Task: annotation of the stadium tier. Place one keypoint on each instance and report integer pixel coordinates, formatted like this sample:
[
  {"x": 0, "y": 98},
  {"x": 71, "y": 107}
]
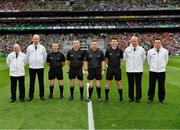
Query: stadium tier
[
  {"x": 86, "y": 5},
  {"x": 171, "y": 41}
]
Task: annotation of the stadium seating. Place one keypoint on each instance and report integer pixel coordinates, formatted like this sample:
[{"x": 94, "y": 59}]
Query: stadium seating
[
  {"x": 171, "y": 41},
  {"x": 86, "y": 5}
]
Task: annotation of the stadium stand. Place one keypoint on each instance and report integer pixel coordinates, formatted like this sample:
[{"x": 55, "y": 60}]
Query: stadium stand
[
  {"x": 85, "y": 5},
  {"x": 171, "y": 41}
]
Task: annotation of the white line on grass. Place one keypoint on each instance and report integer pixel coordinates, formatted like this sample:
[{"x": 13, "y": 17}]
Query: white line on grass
[
  {"x": 4, "y": 68},
  {"x": 90, "y": 112}
]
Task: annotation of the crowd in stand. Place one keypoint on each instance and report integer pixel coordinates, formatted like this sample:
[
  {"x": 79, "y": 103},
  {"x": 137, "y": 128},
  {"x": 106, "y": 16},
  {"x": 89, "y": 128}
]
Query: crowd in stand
[
  {"x": 97, "y": 23},
  {"x": 114, "y": 5},
  {"x": 171, "y": 41},
  {"x": 86, "y": 5}
]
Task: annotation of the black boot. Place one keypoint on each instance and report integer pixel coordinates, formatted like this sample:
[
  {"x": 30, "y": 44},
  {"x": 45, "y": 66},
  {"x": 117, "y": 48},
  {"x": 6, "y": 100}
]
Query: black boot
[
  {"x": 120, "y": 94},
  {"x": 107, "y": 93},
  {"x": 81, "y": 93},
  {"x": 51, "y": 92},
  {"x": 98, "y": 89},
  {"x": 72, "y": 93},
  {"x": 90, "y": 92}
]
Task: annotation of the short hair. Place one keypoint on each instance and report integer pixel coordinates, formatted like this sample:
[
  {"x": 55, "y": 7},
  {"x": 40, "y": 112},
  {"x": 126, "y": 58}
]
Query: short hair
[
  {"x": 94, "y": 40},
  {"x": 54, "y": 44},
  {"x": 157, "y": 38},
  {"x": 114, "y": 38},
  {"x": 76, "y": 41}
]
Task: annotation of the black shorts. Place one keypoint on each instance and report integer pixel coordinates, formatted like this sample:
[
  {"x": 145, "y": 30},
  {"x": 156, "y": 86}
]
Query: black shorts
[
  {"x": 94, "y": 73},
  {"x": 56, "y": 73},
  {"x": 75, "y": 72},
  {"x": 116, "y": 72}
]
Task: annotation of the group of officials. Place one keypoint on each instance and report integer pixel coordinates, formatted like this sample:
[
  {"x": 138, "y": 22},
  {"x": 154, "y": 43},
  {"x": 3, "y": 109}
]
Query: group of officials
[{"x": 93, "y": 63}]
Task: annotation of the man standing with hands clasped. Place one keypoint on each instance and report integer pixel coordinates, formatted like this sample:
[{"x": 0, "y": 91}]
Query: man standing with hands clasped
[
  {"x": 16, "y": 61},
  {"x": 36, "y": 57},
  {"x": 56, "y": 61},
  {"x": 157, "y": 59},
  {"x": 75, "y": 60},
  {"x": 134, "y": 57},
  {"x": 95, "y": 66},
  {"x": 113, "y": 56}
]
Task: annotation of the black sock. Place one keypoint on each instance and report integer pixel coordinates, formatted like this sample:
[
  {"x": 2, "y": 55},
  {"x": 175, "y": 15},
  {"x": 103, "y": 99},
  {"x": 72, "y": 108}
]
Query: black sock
[
  {"x": 120, "y": 93},
  {"x": 51, "y": 90},
  {"x": 90, "y": 92},
  {"x": 81, "y": 91},
  {"x": 61, "y": 88},
  {"x": 106, "y": 93},
  {"x": 98, "y": 89},
  {"x": 72, "y": 91}
]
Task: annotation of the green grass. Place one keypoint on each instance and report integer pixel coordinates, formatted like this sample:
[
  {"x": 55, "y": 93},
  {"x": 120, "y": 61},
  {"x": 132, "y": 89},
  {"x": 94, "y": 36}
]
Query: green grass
[
  {"x": 37, "y": 114},
  {"x": 67, "y": 115}
]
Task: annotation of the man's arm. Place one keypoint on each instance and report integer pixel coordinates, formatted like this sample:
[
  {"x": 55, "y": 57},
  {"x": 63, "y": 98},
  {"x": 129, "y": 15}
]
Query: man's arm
[
  {"x": 148, "y": 58},
  {"x": 106, "y": 56},
  {"x": 125, "y": 55},
  {"x": 44, "y": 55},
  {"x": 27, "y": 55},
  {"x": 144, "y": 55},
  {"x": 8, "y": 61},
  {"x": 63, "y": 60},
  {"x": 167, "y": 57},
  {"x": 25, "y": 59}
]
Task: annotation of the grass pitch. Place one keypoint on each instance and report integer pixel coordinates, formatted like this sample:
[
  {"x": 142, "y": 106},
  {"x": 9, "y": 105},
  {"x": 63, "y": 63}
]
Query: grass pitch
[{"x": 73, "y": 115}]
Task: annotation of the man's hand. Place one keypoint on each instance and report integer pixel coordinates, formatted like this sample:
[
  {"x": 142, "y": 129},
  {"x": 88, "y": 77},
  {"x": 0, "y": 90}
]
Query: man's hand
[
  {"x": 102, "y": 72},
  {"x": 85, "y": 72}
]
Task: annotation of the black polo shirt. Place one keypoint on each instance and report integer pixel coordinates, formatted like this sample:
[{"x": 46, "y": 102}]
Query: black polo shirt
[
  {"x": 94, "y": 58},
  {"x": 55, "y": 59},
  {"x": 76, "y": 58},
  {"x": 114, "y": 56}
]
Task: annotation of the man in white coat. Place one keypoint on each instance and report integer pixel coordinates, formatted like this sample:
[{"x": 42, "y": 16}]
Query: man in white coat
[
  {"x": 36, "y": 56},
  {"x": 16, "y": 61},
  {"x": 157, "y": 58},
  {"x": 134, "y": 57}
]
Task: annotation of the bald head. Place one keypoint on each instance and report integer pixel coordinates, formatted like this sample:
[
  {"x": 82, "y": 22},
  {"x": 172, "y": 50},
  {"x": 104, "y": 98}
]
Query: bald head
[
  {"x": 134, "y": 41},
  {"x": 16, "y": 48},
  {"x": 36, "y": 39}
]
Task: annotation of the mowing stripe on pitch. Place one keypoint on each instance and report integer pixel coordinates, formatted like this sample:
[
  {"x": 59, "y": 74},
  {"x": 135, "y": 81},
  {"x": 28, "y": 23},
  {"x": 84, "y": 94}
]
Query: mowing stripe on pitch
[
  {"x": 4, "y": 68},
  {"x": 90, "y": 112}
]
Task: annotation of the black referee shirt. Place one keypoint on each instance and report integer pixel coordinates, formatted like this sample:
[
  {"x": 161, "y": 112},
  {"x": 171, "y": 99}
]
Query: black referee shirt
[
  {"x": 114, "y": 56},
  {"x": 94, "y": 58},
  {"x": 76, "y": 58},
  {"x": 55, "y": 59}
]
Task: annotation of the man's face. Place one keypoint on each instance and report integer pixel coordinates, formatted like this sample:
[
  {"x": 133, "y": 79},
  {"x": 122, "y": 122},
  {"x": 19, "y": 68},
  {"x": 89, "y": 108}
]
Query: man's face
[
  {"x": 36, "y": 39},
  {"x": 157, "y": 44},
  {"x": 94, "y": 45},
  {"x": 114, "y": 43},
  {"x": 16, "y": 48},
  {"x": 55, "y": 47},
  {"x": 76, "y": 45},
  {"x": 134, "y": 42}
]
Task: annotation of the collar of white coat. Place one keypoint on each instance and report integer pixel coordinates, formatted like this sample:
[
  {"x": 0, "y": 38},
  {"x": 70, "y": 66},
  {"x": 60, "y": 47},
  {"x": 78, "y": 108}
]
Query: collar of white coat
[
  {"x": 36, "y": 45},
  {"x": 157, "y": 49},
  {"x": 14, "y": 53},
  {"x": 131, "y": 46}
]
